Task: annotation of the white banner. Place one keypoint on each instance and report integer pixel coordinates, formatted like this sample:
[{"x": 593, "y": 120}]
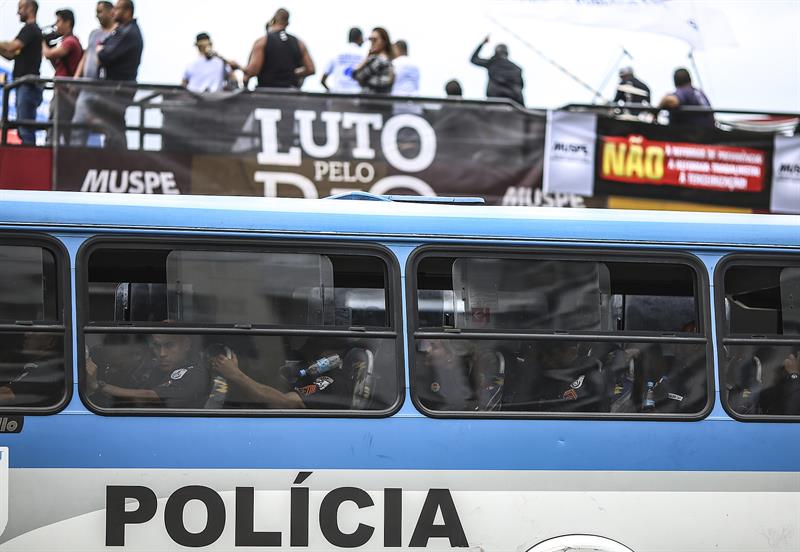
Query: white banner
[
  {"x": 569, "y": 153},
  {"x": 785, "y": 196}
]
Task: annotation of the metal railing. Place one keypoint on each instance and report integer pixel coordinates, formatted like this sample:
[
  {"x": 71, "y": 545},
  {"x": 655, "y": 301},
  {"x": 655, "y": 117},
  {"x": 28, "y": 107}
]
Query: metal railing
[
  {"x": 155, "y": 94},
  {"x": 776, "y": 122},
  {"x": 147, "y": 97}
]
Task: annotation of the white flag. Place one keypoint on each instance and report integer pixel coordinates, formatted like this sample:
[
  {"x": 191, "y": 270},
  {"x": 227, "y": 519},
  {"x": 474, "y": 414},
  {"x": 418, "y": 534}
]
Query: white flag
[{"x": 702, "y": 27}]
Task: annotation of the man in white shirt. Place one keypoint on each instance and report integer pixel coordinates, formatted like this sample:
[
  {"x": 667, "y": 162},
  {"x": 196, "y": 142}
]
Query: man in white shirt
[
  {"x": 406, "y": 79},
  {"x": 342, "y": 65},
  {"x": 208, "y": 72}
]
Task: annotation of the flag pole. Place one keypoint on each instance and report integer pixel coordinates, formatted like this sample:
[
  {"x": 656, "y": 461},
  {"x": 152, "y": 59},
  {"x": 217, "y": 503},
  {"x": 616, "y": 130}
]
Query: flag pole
[
  {"x": 696, "y": 71},
  {"x": 614, "y": 67},
  {"x": 554, "y": 63}
]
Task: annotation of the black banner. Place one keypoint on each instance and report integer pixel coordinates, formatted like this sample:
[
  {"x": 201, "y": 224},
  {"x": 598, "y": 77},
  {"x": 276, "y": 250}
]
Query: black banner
[
  {"x": 132, "y": 172},
  {"x": 311, "y": 145},
  {"x": 710, "y": 166}
]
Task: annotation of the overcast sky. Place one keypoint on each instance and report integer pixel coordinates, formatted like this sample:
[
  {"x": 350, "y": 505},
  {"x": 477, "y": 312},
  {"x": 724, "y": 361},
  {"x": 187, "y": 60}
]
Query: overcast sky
[{"x": 761, "y": 73}]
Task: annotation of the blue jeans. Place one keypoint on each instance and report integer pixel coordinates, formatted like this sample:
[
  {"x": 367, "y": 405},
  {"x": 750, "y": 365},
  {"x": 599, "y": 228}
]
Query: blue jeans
[{"x": 29, "y": 96}]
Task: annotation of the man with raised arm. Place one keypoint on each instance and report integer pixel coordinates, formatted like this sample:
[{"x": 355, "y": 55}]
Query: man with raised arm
[
  {"x": 65, "y": 56},
  {"x": 505, "y": 76},
  {"x": 327, "y": 383}
]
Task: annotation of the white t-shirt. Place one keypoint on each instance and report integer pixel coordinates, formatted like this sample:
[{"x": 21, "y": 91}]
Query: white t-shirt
[
  {"x": 341, "y": 66},
  {"x": 406, "y": 77},
  {"x": 205, "y": 75}
]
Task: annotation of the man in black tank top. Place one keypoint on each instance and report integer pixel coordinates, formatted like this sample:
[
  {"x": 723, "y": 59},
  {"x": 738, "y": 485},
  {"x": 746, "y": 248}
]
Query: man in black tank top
[{"x": 278, "y": 60}]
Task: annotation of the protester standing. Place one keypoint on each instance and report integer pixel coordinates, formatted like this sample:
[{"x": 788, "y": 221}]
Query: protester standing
[
  {"x": 342, "y": 65},
  {"x": 505, "y": 77},
  {"x": 630, "y": 89},
  {"x": 26, "y": 51},
  {"x": 375, "y": 73},
  {"x": 121, "y": 52},
  {"x": 65, "y": 55},
  {"x": 89, "y": 68},
  {"x": 687, "y": 95},
  {"x": 406, "y": 71},
  {"x": 279, "y": 59},
  {"x": 209, "y": 72},
  {"x": 120, "y": 55}
]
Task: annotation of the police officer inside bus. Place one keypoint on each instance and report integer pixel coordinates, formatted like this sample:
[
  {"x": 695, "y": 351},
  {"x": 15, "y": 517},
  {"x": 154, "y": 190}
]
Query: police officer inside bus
[
  {"x": 783, "y": 398},
  {"x": 173, "y": 377},
  {"x": 31, "y": 372},
  {"x": 324, "y": 383},
  {"x": 555, "y": 376}
]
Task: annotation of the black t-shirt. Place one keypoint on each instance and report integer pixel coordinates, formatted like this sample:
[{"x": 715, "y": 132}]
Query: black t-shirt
[
  {"x": 185, "y": 387},
  {"x": 29, "y": 59},
  {"x": 331, "y": 390},
  {"x": 571, "y": 390},
  {"x": 281, "y": 57}
]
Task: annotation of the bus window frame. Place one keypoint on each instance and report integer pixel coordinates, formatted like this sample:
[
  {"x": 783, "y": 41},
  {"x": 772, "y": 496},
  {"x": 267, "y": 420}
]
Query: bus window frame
[
  {"x": 246, "y": 244},
  {"x": 747, "y": 259},
  {"x": 578, "y": 253},
  {"x": 59, "y": 251}
]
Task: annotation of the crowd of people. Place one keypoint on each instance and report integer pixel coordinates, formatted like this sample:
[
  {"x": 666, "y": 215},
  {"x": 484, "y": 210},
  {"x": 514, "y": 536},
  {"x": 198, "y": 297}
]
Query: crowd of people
[
  {"x": 281, "y": 60},
  {"x": 582, "y": 377},
  {"x": 113, "y": 53},
  {"x": 175, "y": 371},
  {"x": 277, "y": 59}
]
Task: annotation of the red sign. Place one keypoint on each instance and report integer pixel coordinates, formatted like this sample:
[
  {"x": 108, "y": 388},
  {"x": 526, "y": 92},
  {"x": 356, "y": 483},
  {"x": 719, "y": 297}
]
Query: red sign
[
  {"x": 637, "y": 160},
  {"x": 26, "y": 168}
]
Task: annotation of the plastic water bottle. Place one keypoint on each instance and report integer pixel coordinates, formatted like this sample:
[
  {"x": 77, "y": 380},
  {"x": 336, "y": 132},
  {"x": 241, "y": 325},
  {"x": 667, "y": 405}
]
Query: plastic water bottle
[
  {"x": 325, "y": 364},
  {"x": 649, "y": 403}
]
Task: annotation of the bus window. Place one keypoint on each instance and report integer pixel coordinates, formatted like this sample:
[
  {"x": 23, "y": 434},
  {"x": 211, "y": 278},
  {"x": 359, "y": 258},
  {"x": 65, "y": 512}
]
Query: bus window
[
  {"x": 760, "y": 303},
  {"x": 246, "y": 330},
  {"x": 554, "y": 336},
  {"x": 32, "y": 367}
]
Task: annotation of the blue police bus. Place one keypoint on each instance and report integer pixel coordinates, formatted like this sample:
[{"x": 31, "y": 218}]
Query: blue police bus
[{"x": 256, "y": 374}]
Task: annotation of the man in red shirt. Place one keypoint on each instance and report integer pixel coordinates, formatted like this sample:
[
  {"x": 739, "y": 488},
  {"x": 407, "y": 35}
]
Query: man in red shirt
[{"x": 65, "y": 56}]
